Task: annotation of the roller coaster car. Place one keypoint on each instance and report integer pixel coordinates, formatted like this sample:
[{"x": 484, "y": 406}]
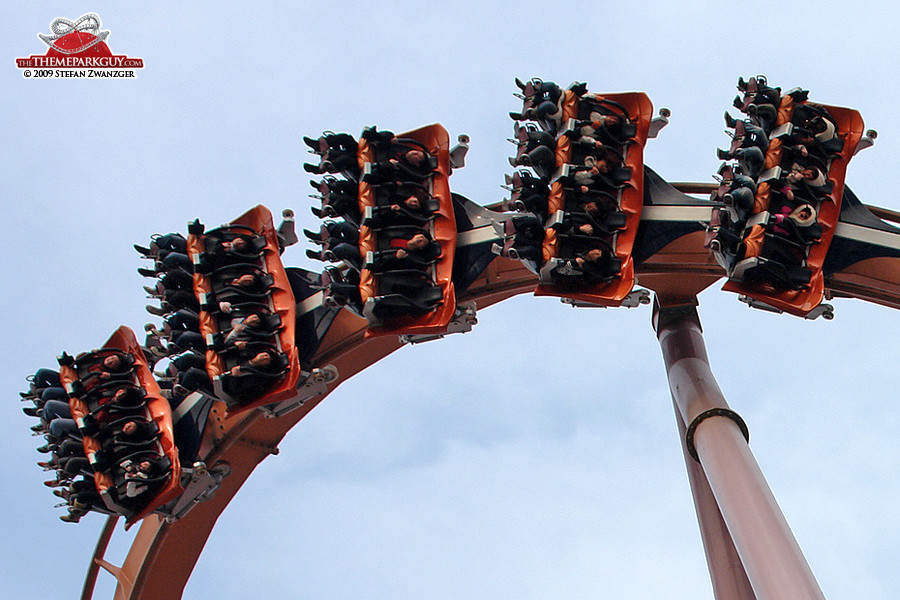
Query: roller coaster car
[
  {"x": 783, "y": 289},
  {"x": 627, "y": 185},
  {"x": 431, "y": 313},
  {"x": 89, "y": 400},
  {"x": 273, "y": 295}
]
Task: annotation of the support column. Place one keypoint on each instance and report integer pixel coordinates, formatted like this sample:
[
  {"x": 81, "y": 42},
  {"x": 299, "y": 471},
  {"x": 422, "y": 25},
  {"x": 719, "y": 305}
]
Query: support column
[
  {"x": 729, "y": 580},
  {"x": 717, "y": 438}
]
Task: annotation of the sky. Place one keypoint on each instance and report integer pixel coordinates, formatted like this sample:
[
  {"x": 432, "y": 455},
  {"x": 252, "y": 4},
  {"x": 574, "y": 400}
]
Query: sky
[{"x": 535, "y": 457}]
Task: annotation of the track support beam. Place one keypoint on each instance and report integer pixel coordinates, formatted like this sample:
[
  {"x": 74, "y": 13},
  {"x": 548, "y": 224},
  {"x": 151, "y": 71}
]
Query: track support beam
[{"x": 717, "y": 440}]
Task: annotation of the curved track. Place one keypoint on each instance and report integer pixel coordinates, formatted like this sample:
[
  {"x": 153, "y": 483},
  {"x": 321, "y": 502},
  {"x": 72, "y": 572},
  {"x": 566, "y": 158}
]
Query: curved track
[{"x": 163, "y": 555}]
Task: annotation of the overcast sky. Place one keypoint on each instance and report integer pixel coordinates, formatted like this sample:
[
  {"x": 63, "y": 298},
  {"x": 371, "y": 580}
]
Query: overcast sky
[{"x": 533, "y": 458}]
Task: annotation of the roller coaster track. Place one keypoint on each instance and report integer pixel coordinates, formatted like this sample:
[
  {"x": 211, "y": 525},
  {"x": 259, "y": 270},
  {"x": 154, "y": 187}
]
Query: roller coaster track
[{"x": 162, "y": 556}]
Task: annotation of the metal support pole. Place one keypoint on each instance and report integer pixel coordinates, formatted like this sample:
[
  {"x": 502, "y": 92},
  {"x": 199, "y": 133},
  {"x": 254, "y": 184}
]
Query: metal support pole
[
  {"x": 729, "y": 580},
  {"x": 717, "y": 438}
]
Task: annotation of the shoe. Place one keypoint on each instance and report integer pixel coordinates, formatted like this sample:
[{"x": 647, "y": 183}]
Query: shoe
[
  {"x": 722, "y": 154},
  {"x": 159, "y": 311},
  {"x": 46, "y": 465},
  {"x": 152, "y": 291},
  {"x": 54, "y": 483},
  {"x": 145, "y": 251},
  {"x": 579, "y": 89},
  {"x": 31, "y": 411},
  {"x": 46, "y": 448},
  {"x": 312, "y": 143},
  {"x": 64, "y": 494},
  {"x": 312, "y": 235},
  {"x": 314, "y": 255},
  {"x": 517, "y": 116},
  {"x": 730, "y": 121},
  {"x": 148, "y": 272},
  {"x": 309, "y": 168},
  {"x": 70, "y": 518},
  {"x": 38, "y": 427}
]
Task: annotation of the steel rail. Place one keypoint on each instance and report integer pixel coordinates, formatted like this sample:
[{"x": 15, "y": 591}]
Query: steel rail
[{"x": 163, "y": 555}]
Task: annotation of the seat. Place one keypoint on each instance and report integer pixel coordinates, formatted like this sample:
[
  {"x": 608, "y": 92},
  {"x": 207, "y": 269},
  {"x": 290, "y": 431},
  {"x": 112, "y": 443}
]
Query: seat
[{"x": 379, "y": 308}]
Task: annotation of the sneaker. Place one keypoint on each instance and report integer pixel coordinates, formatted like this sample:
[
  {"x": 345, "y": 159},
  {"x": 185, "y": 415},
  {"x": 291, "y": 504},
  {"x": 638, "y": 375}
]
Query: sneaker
[
  {"x": 730, "y": 121},
  {"x": 148, "y": 272},
  {"x": 145, "y": 251},
  {"x": 31, "y": 411},
  {"x": 70, "y": 518}
]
